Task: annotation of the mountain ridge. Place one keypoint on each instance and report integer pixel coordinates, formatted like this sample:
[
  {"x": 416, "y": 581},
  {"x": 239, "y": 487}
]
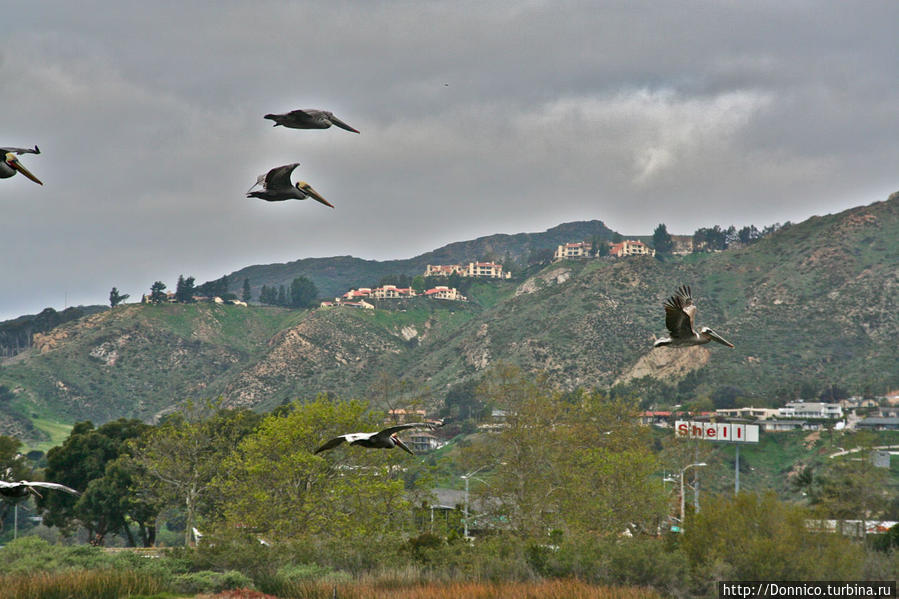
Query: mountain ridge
[{"x": 812, "y": 305}]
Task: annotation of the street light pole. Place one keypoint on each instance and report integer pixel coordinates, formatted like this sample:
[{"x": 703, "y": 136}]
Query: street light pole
[
  {"x": 684, "y": 469},
  {"x": 466, "y": 477}
]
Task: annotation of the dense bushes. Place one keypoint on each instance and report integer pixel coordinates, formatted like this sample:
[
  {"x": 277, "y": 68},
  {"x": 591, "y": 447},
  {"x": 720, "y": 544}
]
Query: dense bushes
[{"x": 750, "y": 537}]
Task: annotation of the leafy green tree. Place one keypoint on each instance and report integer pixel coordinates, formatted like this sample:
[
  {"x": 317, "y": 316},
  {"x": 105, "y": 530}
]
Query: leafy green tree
[
  {"x": 758, "y": 537},
  {"x": 419, "y": 285},
  {"x": 268, "y": 295},
  {"x": 661, "y": 241},
  {"x": 274, "y": 483},
  {"x": 157, "y": 292},
  {"x": 180, "y": 457},
  {"x": 116, "y": 298},
  {"x": 617, "y": 238},
  {"x": 303, "y": 293},
  {"x": 81, "y": 459},
  {"x": 282, "y": 296},
  {"x": 852, "y": 489},
  {"x": 607, "y": 467},
  {"x": 522, "y": 488},
  {"x": 184, "y": 289},
  {"x": 577, "y": 462},
  {"x": 602, "y": 249},
  {"x": 247, "y": 294}
]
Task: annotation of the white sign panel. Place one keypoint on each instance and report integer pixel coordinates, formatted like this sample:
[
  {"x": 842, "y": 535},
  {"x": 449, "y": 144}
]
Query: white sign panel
[{"x": 717, "y": 431}]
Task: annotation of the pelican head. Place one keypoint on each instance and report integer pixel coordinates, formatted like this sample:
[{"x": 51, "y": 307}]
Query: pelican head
[
  {"x": 399, "y": 443},
  {"x": 711, "y": 335},
  {"x": 307, "y": 189},
  {"x": 13, "y": 162}
]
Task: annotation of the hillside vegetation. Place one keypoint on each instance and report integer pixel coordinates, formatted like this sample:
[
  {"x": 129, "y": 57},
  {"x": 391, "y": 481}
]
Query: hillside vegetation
[{"x": 811, "y": 305}]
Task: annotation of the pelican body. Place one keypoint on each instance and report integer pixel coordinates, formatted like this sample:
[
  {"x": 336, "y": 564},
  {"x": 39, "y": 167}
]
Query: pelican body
[
  {"x": 15, "y": 490},
  {"x": 308, "y": 119},
  {"x": 385, "y": 439},
  {"x": 679, "y": 313},
  {"x": 276, "y": 187},
  {"x": 11, "y": 165}
]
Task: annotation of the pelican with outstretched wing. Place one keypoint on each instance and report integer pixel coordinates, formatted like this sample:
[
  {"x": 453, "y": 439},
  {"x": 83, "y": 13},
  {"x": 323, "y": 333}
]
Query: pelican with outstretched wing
[
  {"x": 385, "y": 439},
  {"x": 308, "y": 118},
  {"x": 16, "y": 489},
  {"x": 276, "y": 187},
  {"x": 679, "y": 313},
  {"x": 11, "y": 165}
]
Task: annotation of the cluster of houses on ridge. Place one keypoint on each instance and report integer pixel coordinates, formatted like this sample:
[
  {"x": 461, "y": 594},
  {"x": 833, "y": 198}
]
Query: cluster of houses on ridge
[
  {"x": 682, "y": 245},
  {"x": 356, "y": 298},
  {"x": 882, "y": 414},
  {"x": 584, "y": 249}
]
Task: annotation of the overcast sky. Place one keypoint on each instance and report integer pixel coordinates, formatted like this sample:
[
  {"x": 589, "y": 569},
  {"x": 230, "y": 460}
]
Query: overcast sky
[{"x": 476, "y": 118}]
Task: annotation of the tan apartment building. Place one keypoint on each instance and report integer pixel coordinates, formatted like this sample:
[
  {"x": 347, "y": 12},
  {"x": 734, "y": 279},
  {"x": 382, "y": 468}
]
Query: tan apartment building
[
  {"x": 580, "y": 249},
  {"x": 392, "y": 292},
  {"x": 446, "y": 293},
  {"x": 630, "y": 247},
  {"x": 490, "y": 270}
]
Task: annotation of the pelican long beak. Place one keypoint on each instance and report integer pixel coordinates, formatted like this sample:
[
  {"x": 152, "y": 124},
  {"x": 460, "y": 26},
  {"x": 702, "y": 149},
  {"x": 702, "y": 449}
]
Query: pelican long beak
[
  {"x": 307, "y": 189},
  {"x": 401, "y": 445},
  {"x": 14, "y": 163},
  {"x": 716, "y": 337},
  {"x": 336, "y": 121}
]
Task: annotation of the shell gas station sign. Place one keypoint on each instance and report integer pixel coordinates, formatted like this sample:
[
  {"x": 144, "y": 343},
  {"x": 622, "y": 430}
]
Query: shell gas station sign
[{"x": 717, "y": 431}]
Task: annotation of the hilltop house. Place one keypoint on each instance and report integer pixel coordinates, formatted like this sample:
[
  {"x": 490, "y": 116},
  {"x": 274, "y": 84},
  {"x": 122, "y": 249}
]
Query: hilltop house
[
  {"x": 446, "y": 293},
  {"x": 491, "y": 270},
  {"x": 811, "y": 409},
  {"x": 757, "y": 413},
  {"x": 580, "y": 249},
  {"x": 583, "y": 249},
  {"x": 630, "y": 247},
  {"x": 423, "y": 442},
  {"x": 392, "y": 292}
]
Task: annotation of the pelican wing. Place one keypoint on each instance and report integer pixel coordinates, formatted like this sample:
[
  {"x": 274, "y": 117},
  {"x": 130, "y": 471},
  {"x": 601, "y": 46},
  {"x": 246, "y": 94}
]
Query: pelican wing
[
  {"x": 42, "y": 484},
  {"x": 21, "y": 150},
  {"x": 679, "y": 313},
  {"x": 279, "y": 177},
  {"x": 331, "y": 444},
  {"x": 299, "y": 113}
]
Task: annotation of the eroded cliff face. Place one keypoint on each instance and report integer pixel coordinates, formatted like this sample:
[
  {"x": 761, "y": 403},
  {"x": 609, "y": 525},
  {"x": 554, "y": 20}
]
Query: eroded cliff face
[{"x": 667, "y": 363}]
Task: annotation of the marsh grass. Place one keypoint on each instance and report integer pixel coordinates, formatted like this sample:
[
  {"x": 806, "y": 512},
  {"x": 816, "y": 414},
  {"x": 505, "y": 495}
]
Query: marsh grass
[
  {"x": 87, "y": 584},
  {"x": 548, "y": 589}
]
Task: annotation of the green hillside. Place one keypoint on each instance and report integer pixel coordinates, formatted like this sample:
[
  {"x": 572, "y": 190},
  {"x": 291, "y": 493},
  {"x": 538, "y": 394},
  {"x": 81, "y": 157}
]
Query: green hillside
[
  {"x": 333, "y": 276},
  {"x": 809, "y": 307}
]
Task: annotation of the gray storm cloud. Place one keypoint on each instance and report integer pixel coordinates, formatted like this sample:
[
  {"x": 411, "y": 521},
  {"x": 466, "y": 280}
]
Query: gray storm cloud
[{"x": 476, "y": 118}]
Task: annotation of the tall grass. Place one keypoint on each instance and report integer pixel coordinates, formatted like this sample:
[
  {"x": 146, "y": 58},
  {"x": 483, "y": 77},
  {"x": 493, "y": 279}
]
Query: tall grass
[
  {"x": 548, "y": 589},
  {"x": 86, "y": 584}
]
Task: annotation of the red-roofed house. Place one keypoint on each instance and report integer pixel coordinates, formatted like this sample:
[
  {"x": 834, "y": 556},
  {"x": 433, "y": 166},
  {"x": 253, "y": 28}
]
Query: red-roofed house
[
  {"x": 392, "y": 292},
  {"x": 629, "y": 247}
]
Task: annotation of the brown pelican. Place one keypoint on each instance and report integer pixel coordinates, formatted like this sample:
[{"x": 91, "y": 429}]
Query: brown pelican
[
  {"x": 11, "y": 165},
  {"x": 308, "y": 119},
  {"x": 23, "y": 487},
  {"x": 385, "y": 439},
  {"x": 276, "y": 187},
  {"x": 679, "y": 313}
]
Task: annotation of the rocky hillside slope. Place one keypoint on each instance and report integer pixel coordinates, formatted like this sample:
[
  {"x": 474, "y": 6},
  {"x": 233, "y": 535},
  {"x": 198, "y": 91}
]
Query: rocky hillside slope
[{"x": 811, "y": 305}]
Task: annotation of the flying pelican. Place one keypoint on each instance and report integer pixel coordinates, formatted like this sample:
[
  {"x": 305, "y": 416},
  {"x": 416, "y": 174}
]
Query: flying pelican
[
  {"x": 679, "y": 313},
  {"x": 11, "y": 165},
  {"x": 308, "y": 119},
  {"x": 385, "y": 439},
  {"x": 24, "y": 487},
  {"x": 276, "y": 187}
]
